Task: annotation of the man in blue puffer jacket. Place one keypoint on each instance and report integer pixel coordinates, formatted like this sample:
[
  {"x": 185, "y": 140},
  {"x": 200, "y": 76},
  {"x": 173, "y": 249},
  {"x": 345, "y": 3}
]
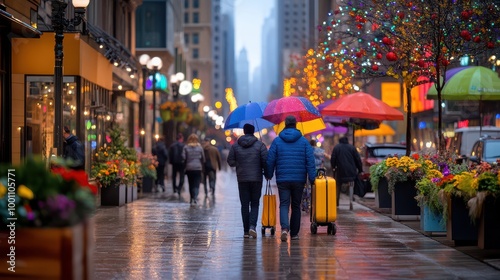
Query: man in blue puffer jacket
[{"x": 292, "y": 157}]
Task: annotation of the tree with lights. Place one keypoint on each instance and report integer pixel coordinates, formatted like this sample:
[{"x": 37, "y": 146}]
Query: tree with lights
[{"x": 412, "y": 41}]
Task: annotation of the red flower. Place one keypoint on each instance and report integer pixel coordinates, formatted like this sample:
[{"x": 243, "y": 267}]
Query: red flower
[
  {"x": 79, "y": 176},
  {"x": 415, "y": 156}
]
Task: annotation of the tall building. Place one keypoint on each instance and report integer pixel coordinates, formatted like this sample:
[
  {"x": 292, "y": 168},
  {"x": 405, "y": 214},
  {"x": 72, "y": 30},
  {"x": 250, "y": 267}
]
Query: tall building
[
  {"x": 255, "y": 87},
  {"x": 269, "y": 69},
  {"x": 297, "y": 32},
  {"x": 198, "y": 35},
  {"x": 242, "y": 75},
  {"x": 228, "y": 53}
]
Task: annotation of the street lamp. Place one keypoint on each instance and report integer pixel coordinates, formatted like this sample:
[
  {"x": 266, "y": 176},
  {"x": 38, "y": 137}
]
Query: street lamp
[
  {"x": 179, "y": 85},
  {"x": 61, "y": 24},
  {"x": 153, "y": 66}
]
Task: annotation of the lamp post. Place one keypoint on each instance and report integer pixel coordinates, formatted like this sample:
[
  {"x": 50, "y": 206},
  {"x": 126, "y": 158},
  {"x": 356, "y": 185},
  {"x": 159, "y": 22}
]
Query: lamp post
[
  {"x": 179, "y": 85},
  {"x": 149, "y": 66},
  {"x": 61, "y": 24}
]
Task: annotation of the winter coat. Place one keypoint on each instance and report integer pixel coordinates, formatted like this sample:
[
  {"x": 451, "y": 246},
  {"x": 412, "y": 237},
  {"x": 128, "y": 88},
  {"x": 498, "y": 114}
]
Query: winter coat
[
  {"x": 249, "y": 156},
  {"x": 175, "y": 154},
  {"x": 346, "y": 162},
  {"x": 212, "y": 157},
  {"x": 161, "y": 153},
  {"x": 194, "y": 157},
  {"x": 319, "y": 157},
  {"x": 292, "y": 157},
  {"x": 74, "y": 150}
]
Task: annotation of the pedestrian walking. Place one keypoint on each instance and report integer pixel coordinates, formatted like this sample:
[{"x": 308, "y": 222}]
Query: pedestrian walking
[
  {"x": 249, "y": 156},
  {"x": 346, "y": 164},
  {"x": 292, "y": 158},
  {"x": 73, "y": 150},
  {"x": 212, "y": 164},
  {"x": 161, "y": 153},
  {"x": 177, "y": 162},
  {"x": 194, "y": 157},
  {"x": 319, "y": 155}
]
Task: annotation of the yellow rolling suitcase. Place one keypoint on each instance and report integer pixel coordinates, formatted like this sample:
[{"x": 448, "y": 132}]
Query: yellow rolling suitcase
[
  {"x": 324, "y": 203},
  {"x": 269, "y": 210}
]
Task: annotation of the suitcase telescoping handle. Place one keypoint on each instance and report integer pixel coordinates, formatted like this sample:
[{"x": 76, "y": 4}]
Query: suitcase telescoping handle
[
  {"x": 269, "y": 190},
  {"x": 321, "y": 173}
]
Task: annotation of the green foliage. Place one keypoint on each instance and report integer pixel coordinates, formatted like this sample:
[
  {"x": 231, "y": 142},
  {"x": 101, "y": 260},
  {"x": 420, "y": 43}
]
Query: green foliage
[
  {"x": 377, "y": 171},
  {"x": 428, "y": 195}
]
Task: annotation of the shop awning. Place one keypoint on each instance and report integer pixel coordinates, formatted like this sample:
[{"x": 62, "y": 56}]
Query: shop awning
[
  {"x": 19, "y": 28},
  {"x": 383, "y": 130}
]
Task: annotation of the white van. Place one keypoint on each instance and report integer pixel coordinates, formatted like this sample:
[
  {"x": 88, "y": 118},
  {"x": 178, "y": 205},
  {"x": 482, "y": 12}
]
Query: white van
[{"x": 465, "y": 138}]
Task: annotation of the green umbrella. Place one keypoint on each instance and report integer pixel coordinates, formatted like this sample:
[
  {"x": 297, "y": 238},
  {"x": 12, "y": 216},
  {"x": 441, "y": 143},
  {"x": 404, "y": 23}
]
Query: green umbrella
[{"x": 473, "y": 83}]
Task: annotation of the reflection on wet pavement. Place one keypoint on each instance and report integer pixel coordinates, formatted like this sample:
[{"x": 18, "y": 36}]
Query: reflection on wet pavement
[{"x": 162, "y": 237}]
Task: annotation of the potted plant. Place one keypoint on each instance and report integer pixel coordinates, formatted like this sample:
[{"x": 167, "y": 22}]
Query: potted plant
[
  {"x": 147, "y": 171},
  {"x": 484, "y": 205},
  {"x": 379, "y": 185},
  {"x": 48, "y": 211}
]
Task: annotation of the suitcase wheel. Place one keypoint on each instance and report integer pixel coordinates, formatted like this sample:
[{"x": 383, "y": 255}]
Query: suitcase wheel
[
  {"x": 332, "y": 229},
  {"x": 263, "y": 231},
  {"x": 314, "y": 228},
  {"x": 273, "y": 230}
]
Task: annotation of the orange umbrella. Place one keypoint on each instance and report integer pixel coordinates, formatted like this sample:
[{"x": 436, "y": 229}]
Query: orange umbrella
[
  {"x": 383, "y": 130},
  {"x": 363, "y": 106}
]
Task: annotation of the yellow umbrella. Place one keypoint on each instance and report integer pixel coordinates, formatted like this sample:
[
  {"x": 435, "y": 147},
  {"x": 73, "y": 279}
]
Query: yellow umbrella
[
  {"x": 383, "y": 130},
  {"x": 304, "y": 127}
]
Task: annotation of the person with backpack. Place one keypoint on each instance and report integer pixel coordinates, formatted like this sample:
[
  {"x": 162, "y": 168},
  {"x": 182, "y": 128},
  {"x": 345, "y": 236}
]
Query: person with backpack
[
  {"x": 175, "y": 156},
  {"x": 212, "y": 164},
  {"x": 73, "y": 150}
]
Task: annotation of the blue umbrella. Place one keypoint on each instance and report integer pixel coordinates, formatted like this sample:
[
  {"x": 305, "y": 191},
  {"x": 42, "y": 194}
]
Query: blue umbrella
[{"x": 248, "y": 113}]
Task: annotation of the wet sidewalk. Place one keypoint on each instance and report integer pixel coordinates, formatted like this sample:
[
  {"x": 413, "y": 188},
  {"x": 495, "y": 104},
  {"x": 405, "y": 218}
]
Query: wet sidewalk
[{"x": 162, "y": 237}]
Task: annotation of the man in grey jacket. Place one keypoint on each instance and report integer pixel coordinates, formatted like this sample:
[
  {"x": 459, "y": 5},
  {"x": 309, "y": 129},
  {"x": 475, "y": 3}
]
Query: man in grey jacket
[{"x": 249, "y": 156}]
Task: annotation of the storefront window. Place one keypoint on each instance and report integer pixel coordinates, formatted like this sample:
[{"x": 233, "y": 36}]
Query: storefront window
[{"x": 40, "y": 112}]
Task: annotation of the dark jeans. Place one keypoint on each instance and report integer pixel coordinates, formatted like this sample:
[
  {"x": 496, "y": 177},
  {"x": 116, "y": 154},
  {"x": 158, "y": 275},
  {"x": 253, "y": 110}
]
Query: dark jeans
[
  {"x": 250, "y": 193},
  {"x": 210, "y": 175},
  {"x": 290, "y": 193},
  {"x": 160, "y": 175},
  {"x": 194, "y": 180},
  {"x": 177, "y": 169}
]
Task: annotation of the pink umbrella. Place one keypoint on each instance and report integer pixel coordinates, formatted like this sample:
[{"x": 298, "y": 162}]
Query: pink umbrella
[{"x": 299, "y": 107}]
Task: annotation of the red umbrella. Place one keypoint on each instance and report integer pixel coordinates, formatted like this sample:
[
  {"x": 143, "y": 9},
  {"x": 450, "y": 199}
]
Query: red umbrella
[
  {"x": 363, "y": 106},
  {"x": 299, "y": 107}
]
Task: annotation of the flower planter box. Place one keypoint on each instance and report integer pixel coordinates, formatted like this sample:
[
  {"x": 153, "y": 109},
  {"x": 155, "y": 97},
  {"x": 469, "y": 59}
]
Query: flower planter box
[
  {"x": 51, "y": 253},
  {"x": 129, "y": 195},
  {"x": 135, "y": 193},
  {"x": 459, "y": 226},
  {"x": 113, "y": 195},
  {"x": 382, "y": 196},
  {"x": 147, "y": 184},
  {"x": 489, "y": 224},
  {"x": 431, "y": 222},
  {"x": 404, "y": 204}
]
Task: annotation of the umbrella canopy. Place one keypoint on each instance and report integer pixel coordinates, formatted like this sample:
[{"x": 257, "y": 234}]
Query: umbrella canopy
[
  {"x": 383, "y": 130},
  {"x": 472, "y": 83},
  {"x": 362, "y": 105},
  {"x": 330, "y": 119},
  {"x": 299, "y": 107},
  {"x": 304, "y": 127},
  {"x": 248, "y": 113}
]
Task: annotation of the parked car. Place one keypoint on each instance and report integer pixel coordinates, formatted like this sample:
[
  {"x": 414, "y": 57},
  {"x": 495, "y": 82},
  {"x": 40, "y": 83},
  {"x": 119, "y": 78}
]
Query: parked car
[
  {"x": 375, "y": 153},
  {"x": 486, "y": 149},
  {"x": 461, "y": 144}
]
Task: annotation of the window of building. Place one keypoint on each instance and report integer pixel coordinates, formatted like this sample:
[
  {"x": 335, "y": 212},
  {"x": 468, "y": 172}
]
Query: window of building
[
  {"x": 196, "y": 17},
  {"x": 196, "y": 3},
  {"x": 216, "y": 18},
  {"x": 216, "y": 86},
  {"x": 216, "y": 38},
  {"x": 195, "y": 74},
  {"x": 216, "y": 75},
  {"x": 186, "y": 4},
  {"x": 196, "y": 38},
  {"x": 186, "y": 17},
  {"x": 216, "y": 57},
  {"x": 151, "y": 25},
  {"x": 196, "y": 53},
  {"x": 186, "y": 39}
]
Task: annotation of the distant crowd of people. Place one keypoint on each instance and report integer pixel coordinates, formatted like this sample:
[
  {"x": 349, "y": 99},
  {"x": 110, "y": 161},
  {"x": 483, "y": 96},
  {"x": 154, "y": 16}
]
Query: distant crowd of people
[{"x": 291, "y": 158}]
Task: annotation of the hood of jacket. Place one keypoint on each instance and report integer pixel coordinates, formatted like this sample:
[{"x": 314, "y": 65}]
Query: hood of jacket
[
  {"x": 247, "y": 140},
  {"x": 290, "y": 135},
  {"x": 71, "y": 139}
]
